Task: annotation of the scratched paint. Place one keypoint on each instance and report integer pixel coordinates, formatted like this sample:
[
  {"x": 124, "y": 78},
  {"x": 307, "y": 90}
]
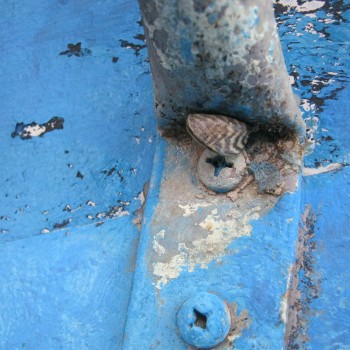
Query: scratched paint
[{"x": 323, "y": 169}]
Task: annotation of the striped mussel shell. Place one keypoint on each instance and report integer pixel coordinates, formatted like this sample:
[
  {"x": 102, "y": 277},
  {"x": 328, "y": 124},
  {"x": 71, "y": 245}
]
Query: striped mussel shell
[{"x": 223, "y": 135}]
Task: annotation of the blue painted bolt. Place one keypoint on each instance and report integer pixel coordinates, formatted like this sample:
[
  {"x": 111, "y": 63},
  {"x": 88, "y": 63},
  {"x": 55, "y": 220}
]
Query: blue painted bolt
[{"x": 204, "y": 320}]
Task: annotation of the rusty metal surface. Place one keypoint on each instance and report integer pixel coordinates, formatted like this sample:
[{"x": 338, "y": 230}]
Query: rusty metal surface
[{"x": 219, "y": 57}]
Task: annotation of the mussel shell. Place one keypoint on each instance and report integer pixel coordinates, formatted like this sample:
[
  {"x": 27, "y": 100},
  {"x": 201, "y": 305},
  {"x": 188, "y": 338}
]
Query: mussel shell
[{"x": 221, "y": 134}]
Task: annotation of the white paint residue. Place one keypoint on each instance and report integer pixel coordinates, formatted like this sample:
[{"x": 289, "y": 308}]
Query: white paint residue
[
  {"x": 291, "y": 80},
  {"x": 307, "y": 106},
  {"x": 306, "y": 6},
  {"x": 191, "y": 208},
  {"x": 322, "y": 170},
  {"x": 328, "y": 20},
  {"x": 290, "y": 3},
  {"x": 157, "y": 247},
  {"x": 283, "y": 309},
  {"x": 34, "y": 131},
  {"x": 200, "y": 252},
  {"x": 160, "y": 234},
  {"x": 141, "y": 198},
  {"x": 310, "y": 28},
  {"x": 284, "y": 300},
  {"x": 101, "y": 215},
  {"x": 170, "y": 270},
  {"x": 311, "y": 15},
  {"x": 316, "y": 81},
  {"x": 312, "y": 5},
  {"x": 312, "y": 122},
  {"x": 160, "y": 250},
  {"x": 122, "y": 213}
]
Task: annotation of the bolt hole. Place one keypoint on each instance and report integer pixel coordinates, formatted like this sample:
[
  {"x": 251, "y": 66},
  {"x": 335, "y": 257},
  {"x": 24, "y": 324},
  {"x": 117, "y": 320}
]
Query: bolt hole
[
  {"x": 201, "y": 320},
  {"x": 219, "y": 163}
]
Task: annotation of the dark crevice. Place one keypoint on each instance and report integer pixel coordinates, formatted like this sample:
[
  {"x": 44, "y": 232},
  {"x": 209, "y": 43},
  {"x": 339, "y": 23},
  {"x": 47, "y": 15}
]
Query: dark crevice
[
  {"x": 219, "y": 163},
  {"x": 201, "y": 319}
]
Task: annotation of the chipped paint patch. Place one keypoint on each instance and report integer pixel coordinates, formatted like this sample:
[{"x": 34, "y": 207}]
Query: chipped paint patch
[
  {"x": 239, "y": 322},
  {"x": 75, "y": 50},
  {"x": 205, "y": 224},
  {"x": 28, "y": 131},
  {"x": 306, "y": 6},
  {"x": 284, "y": 299},
  {"x": 160, "y": 250},
  {"x": 191, "y": 208},
  {"x": 139, "y": 212},
  {"x": 200, "y": 252},
  {"x": 157, "y": 247},
  {"x": 323, "y": 169},
  {"x": 136, "y": 47}
]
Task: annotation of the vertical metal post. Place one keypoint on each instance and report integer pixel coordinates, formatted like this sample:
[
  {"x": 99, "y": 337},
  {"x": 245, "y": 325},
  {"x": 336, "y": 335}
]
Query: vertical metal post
[{"x": 219, "y": 56}]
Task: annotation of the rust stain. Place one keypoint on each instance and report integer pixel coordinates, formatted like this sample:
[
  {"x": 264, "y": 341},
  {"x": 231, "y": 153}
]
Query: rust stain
[
  {"x": 304, "y": 286},
  {"x": 138, "y": 214}
]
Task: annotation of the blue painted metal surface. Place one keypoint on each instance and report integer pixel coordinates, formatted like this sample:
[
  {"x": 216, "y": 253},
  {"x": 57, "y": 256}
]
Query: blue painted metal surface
[
  {"x": 316, "y": 43},
  {"x": 280, "y": 293},
  {"x": 68, "y": 243},
  {"x": 251, "y": 277},
  {"x": 66, "y": 264}
]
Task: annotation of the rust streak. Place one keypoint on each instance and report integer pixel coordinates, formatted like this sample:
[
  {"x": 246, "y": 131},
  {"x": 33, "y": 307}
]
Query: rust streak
[{"x": 304, "y": 284}]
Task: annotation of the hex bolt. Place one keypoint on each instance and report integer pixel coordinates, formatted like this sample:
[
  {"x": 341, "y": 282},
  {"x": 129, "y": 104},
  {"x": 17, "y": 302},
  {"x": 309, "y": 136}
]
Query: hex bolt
[
  {"x": 204, "y": 320},
  {"x": 218, "y": 173}
]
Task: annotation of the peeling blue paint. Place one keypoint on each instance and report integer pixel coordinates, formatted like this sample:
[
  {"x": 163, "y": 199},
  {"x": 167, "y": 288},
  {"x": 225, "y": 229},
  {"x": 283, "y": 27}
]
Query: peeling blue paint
[
  {"x": 67, "y": 241},
  {"x": 68, "y": 245},
  {"x": 318, "y": 59}
]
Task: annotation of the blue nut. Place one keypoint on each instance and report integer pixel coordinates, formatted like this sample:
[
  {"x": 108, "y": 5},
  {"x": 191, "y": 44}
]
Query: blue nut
[{"x": 204, "y": 320}]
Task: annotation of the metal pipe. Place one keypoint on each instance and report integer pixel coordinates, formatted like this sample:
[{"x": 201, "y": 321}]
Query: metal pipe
[{"x": 219, "y": 56}]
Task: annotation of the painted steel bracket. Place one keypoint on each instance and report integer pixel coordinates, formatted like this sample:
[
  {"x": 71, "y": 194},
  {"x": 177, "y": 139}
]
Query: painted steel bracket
[
  {"x": 194, "y": 241},
  {"x": 197, "y": 244}
]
